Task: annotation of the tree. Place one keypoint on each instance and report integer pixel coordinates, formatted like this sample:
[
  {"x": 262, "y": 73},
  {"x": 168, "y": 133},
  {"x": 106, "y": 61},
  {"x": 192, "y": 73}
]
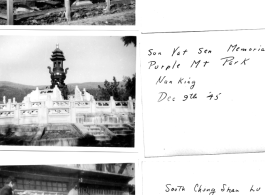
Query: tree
[
  {"x": 127, "y": 40},
  {"x": 110, "y": 89},
  {"x": 130, "y": 86},
  {"x": 119, "y": 92}
]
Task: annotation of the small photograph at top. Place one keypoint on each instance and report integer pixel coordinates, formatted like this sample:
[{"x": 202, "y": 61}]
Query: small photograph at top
[{"x": 67, "y": 12}]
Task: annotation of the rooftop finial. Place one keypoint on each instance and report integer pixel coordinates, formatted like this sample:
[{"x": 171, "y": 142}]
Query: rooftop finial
[{"x": 57, "y": 46}]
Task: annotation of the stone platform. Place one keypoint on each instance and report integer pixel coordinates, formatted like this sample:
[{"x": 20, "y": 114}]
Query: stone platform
[{"x": 61, "y": 134}]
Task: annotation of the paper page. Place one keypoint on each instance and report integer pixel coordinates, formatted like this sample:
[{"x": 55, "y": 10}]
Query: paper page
[
  {"x": 203, "y": 93},
  {"x": 194, "y": 15},
  {"x": 205, "y": 175}
]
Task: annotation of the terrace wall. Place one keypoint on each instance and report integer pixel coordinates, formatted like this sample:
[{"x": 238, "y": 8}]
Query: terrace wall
[{"x": 65, "y": 111}]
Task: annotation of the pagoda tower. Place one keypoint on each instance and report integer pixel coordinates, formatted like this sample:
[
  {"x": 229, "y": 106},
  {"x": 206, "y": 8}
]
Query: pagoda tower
[{"x": 58, "y": 74}]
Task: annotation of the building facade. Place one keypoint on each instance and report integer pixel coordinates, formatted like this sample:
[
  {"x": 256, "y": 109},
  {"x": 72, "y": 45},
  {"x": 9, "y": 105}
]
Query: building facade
[{"x": 91, "y": 179}]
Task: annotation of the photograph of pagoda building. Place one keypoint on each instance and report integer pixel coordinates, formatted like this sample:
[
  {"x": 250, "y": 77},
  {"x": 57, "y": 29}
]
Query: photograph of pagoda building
[
  {"x": 87, "y": 100},
  {"x": 69, "y": 179}
]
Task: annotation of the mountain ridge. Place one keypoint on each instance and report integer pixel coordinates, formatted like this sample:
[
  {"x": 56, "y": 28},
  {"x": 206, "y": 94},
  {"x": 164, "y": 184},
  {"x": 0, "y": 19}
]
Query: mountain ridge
[
  {"x": 19, "y": 91},
  {"x": 18, "y": 85}
]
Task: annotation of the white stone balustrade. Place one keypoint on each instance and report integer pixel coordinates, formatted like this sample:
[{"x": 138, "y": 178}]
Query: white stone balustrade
[
  {"x": 3, "y": 106},
  {"x": 35, "y": 104},
  {"x": 48, "y": 106},
  {"x": 61, "y": 104},
  {"x": 121, "y": 103},
  {"x": 14, "y": 106},
  {"x": 82, "y": 104},
  {"x": 22, "y": 106},
  {"x": 29, "y": 112},
  {"x": 6, "y": 114},
  {"x": 102, "y": 103},
  {"x": 59, "y": 111}
]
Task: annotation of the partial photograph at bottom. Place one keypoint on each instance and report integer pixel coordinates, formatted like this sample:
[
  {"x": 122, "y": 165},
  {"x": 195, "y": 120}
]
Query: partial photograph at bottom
[{"x": 68, "y": 179}]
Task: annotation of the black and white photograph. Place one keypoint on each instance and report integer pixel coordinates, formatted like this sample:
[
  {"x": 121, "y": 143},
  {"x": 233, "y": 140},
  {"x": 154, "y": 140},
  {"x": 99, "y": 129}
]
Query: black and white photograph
[
  {"x": 68, "y": 91},
  {"x": 73, "y": 122},
  {"x": 68, "y": 179},
  {"x": 68, "y": 12}
]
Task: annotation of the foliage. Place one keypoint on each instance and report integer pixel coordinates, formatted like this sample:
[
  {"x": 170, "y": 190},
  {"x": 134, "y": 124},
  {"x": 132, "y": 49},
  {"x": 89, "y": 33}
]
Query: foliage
[
  {"x": 119, "y": 92},
  {"x": 9, "y": 130},
  {"x": 130, "y": 84},
  {"x": 127, "y": 40},
  {"x": 9, "y": 138},
  {"x": 65, "y": 92},
  {"x": 110, "y": 89}
]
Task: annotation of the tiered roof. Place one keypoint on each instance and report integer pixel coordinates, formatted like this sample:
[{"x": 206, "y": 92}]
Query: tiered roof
[{"x": 57, "y": 54}]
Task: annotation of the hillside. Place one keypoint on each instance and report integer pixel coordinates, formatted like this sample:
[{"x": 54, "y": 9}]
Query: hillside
[
  {"x": 15, "y": 85},
  {"x": 10, "y": 92},
  {"x": 122, "y": 12},
  {"x": 19, "y": 91},
  {"x": 87, "y": 85}
]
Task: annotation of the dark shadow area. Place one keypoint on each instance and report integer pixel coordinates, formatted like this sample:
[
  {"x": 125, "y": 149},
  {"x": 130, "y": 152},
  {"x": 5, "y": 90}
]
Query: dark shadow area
[
  {"x": 122, "y": 141},
  {"x": 9, "y": 137},
  {"x": 87, "y": 140},
  {"x": 116, "y": 141},
  {"x": 14, "y": 136}
]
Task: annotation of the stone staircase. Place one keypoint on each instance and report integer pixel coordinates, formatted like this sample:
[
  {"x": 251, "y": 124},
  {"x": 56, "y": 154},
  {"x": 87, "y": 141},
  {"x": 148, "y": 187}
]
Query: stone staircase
[
  {"x": 98, "y": 132},
  {"x": 121, "y": 129},
  {"x": 57, "y": 135}
]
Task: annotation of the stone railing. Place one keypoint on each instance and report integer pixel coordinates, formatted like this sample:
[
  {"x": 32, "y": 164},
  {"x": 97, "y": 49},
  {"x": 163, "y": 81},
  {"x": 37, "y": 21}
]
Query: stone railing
[
  {"x": 29, "y": 112},
  {"x": 14, "y": 106},
  {"x": 35, "y": 104},
  {"x": 82, "y": 104},
  {"x": 117, "y": 118},
  {"x": 121, "y": 103},
  {"x": 6, "y": 114},
  {"x": 59, "y": 111},
  {"x": 49, "y": 111},
  {"x": 22, "y": 105},
  {"x": 61, "y": 104},
  {"x": 102, "y": 103},
  {"x": 3, "y": 106},
  {"x": 45, "y": 91}
]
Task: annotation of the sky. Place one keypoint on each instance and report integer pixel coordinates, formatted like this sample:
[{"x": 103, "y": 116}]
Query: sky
[{"x": 24, "y": 60}]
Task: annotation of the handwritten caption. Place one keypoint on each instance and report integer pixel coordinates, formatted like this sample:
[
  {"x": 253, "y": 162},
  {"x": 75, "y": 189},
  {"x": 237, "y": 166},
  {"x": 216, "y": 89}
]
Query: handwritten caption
[
  {"x": 198, "y": 188},
  {"x": 199, "y": 63}
]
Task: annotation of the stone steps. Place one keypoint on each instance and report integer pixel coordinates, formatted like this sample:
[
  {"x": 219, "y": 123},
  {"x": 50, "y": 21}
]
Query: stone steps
[
  {"x": 121, "y": 130},
  {"x": 98, "y": 132}
]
